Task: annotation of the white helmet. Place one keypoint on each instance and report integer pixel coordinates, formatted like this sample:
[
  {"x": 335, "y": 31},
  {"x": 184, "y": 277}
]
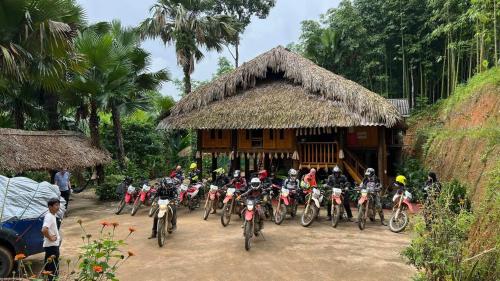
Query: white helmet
[
  {"x": 292, "y": 173},
  {"x": 336, "y": 169},
  {"x": 255, "y": 183},
  {"x": 236, "y": 174}
]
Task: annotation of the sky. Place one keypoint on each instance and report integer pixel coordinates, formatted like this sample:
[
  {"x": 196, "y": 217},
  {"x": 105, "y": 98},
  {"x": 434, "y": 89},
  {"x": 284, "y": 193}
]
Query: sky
[{"x": 281, "y": 27}]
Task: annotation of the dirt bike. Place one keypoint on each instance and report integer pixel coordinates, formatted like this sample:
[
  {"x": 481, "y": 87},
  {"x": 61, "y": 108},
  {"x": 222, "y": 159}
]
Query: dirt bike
[
  {"x": 399, "y": 219},
  {"x": 267, "y": 204},
  {"x": 131, "y": 194},
  {"x": 286, "y": 204},
  {"x": 146, "y": 195},
  {"x": 314, "y": 198},
  {"x": 188, "y": 195},
  {"x": 212, "y": 199},
  {"x": 231, "y": 206},
  {"x": 252, "y": 224},
  {"x": 165, "y": 214},
  {"x": 338, "y": 211},
  {"x": 366, "y": 204}
]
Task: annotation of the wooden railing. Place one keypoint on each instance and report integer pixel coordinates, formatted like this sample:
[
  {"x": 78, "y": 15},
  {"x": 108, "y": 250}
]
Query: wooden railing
[
  {"x": 354, "y": 166},
  {"x": 319, "y": 154}
]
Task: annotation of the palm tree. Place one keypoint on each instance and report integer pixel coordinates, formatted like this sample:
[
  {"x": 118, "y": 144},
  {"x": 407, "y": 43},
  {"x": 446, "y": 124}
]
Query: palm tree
[
  {"x": 36, "y": 50},
  {"x": 186, "y": 24}
]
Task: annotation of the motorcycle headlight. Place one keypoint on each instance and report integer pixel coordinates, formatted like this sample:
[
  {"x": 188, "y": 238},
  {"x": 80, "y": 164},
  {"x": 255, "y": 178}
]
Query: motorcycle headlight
[
  {"x": 336, "y": 191},
  {"x": 250, "y": 207},
  {"x": 408, "y": 195},
  {"x": 364, "y": 192},
  {"x": 285, "y": 192},
  {"x": 316, "y": 191},
  {"x": 214, "y": 188},
  {"x": 163, "y": 204},
  {"x": 146, "y": 188},
  {"x": 130, "y": 189},
  {"x": 230, "y": 191},
  {"x": 184, "y": 187}
]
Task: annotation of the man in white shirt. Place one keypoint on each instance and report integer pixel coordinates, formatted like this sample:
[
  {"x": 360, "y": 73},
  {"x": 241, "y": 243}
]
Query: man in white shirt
[{"x": 51, "y": 238}]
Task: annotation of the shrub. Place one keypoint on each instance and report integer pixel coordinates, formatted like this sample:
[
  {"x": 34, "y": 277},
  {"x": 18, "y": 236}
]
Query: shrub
[
  {"x": 416, "y": 176},
  {"x": 107, "y": 191}
]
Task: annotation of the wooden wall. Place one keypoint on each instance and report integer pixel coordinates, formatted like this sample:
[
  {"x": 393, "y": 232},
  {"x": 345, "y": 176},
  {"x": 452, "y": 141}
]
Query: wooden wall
[
  {"x": 362, "y": 137},
  {"x": 216, "y": 139},
  {"x": 279, "y": 140}
]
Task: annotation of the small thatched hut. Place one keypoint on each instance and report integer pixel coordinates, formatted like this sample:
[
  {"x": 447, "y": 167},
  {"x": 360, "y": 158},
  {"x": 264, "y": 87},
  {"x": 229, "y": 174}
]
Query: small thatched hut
[
  {"x": 281, "y": 110},
  {"x": 47, "y": 150}
]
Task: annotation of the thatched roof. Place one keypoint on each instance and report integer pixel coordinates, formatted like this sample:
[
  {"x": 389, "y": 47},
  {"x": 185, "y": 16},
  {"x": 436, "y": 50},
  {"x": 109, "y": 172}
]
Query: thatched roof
[
  {"x": 46, "y": 150},
  {"x": 306, "y": 96}
]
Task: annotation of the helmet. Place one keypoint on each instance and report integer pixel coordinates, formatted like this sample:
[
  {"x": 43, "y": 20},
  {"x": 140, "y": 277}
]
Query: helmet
[
  {"x": 336, "y": 170},
  {"x": 178, "y": 167},
  {"x": 292, "y": 173},
  {"x": 193, "y": 166},
  {"x": 167, "y": 182},
  {"x": 401, "y": 179},
  {"x": 220, "y": 171},
  {"x": 255, "y": 183},
  {"x": 312, "y": 171},
  {"x": 237, "y": 174},
  {"x": 370, "y": 172}
]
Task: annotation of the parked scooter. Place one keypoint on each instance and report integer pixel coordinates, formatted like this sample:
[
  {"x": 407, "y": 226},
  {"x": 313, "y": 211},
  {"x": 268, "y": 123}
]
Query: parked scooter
[
  {"x": 402, "y": 202},
  {"x": 165, "y": 214},
  {"x": 212, "y": 200},
  {"x": 366, "y": 204},
  {"x": 129, "y": 196},
  {"x": 314, "y": 198},
  {"x": 252, "y": 224},
  {"x": 146, "y": 195},
  {"x": 287, "y": 204}
]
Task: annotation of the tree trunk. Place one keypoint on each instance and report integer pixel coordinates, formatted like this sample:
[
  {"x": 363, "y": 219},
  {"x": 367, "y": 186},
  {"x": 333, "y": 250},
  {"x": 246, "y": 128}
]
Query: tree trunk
[
  {"x": 495, "y": 30},
  {"x": 237, "y": 52},
  {"x": 117, "y": 129},
  {"x": 187, "y": 78},
  {"x": 94, "y": 136},
  {"x": 50, "y": 103},
  {"x": 18, "y": 117}
]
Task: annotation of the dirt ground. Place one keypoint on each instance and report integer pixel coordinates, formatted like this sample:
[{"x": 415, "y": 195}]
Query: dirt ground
[{"x": 205, "y": 250}]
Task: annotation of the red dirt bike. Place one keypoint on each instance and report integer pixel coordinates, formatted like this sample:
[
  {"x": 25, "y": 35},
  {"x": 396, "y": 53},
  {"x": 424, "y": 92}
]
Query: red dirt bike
[
  {"x": 252, "y": 224},
  {"x": 286, "y": 204},
  {"x": 231, "y": 205},
  {"x": 338, "y": 211},
  {"x": 366, "y": 203},
  {"x": 131, "y": 194},
  {"x": 212, "y": 199},
  {"x": 146, "y": 197},
  {"x": 188, "y": 194},
  {"x": 399, "y": 219}
]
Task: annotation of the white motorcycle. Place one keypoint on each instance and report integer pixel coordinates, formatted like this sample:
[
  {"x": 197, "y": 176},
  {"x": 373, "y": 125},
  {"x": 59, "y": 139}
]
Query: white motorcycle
[
  {"x": 165, "y": 214},
  {"x": 313, "y": 205}
]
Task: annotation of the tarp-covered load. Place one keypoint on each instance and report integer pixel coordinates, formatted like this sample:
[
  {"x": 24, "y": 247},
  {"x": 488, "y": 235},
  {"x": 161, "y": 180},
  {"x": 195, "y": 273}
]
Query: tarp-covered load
[{"x": 24, "y": 198}]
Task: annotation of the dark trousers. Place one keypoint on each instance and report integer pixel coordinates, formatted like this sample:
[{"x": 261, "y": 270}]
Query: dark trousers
[
  {"x": 155, "y": 220},
  {"x": 65, "y": 195},
  {"x": 53, "y": 265},
  {"x": 346, "y": 204}
]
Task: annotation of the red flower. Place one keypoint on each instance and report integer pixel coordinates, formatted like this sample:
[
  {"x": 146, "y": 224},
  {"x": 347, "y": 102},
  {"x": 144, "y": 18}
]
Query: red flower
[
  {"x": 114, "y": 224},
  {"x": 104, "y": 223},
  {"x": 97, "y": 268},
  {"x": 131, "y": 229},
  {"x": 19, "y": 257}
]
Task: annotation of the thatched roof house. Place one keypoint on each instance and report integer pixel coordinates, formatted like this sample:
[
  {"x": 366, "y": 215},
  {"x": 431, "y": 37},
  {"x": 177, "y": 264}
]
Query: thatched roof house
[
  {"x": 280, "y": 110},
  {"x": 47, "y": 150},
  {"x": 295, "y": 93}
]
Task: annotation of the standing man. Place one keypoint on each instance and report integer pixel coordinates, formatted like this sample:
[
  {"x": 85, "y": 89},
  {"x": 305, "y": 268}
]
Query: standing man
[
  {"x": 62, "y": 180},
  {"x": 51, "y": 238}
]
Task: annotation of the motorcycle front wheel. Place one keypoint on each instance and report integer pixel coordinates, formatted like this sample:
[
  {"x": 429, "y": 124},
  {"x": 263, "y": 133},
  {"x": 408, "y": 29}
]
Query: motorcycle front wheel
[
  {"x": 208, "y": 208},
  {"x": 161, "y": 233},
  {"x": 154, "y": 207},
  {"x": 309, "y": 215},
  {"x": 120, "y": 206},
  {"x": 225, "y": 217},
  {"x": 280, "y": 214},
  {"x": 335, "y": 215},
  {"x": 137, "y": 205},
  {"x": 398, "y": 224},
  {"x": 361, "y": 217},
  {"x": 248, "y": 235}
]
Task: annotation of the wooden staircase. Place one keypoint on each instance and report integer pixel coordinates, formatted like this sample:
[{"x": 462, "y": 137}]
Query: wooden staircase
[{"x": 353, "y": 166}]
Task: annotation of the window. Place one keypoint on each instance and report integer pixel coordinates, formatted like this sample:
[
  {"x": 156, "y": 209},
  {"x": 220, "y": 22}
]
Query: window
[
  {"x": 256, "y": 137},
  {"x": 282, "y": 134},
  {"x": 271, "y": 134},
  {"x": 219, "y": 134},
  {"x": 212, "y": 134}
]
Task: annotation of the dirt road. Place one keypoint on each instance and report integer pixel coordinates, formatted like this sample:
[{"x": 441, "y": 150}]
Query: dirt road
[{"x": 204, "y": 250}]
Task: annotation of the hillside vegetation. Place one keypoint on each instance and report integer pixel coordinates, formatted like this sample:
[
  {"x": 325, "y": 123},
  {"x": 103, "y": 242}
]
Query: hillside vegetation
[{"x": 459, "y": 139}]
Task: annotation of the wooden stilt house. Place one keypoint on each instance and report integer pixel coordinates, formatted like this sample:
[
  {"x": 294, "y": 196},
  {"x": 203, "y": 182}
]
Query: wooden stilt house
[{"x": 281, "y": 110}]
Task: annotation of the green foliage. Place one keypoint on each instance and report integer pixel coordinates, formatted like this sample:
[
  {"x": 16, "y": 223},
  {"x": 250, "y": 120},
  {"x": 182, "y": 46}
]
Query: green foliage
[
  {"x": 107, "y": 190},
  {"x": 416, "y": 176},
  {"x": 440, "y": 250}
]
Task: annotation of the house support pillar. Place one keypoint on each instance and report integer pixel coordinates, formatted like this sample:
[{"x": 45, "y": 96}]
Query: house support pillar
[
  {"x": 247, "y": 167},
  {"x": 198, "y": 153},
  {"x": 382, "y": 157},
  {"x": 214, "y": 166},
  {"x": 234, "y": 149}
]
